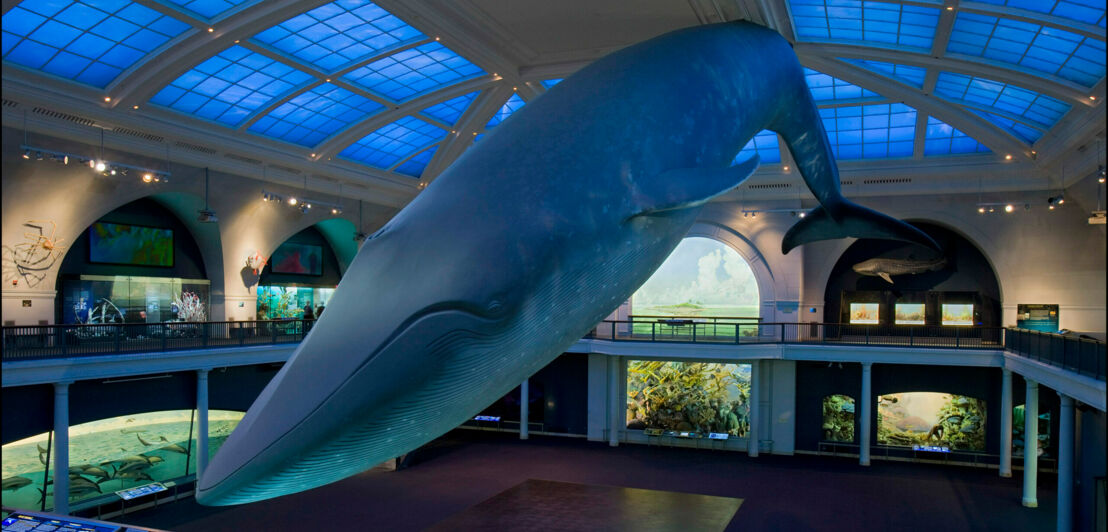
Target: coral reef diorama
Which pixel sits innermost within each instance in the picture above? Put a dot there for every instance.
(682, 396)
(838, 418)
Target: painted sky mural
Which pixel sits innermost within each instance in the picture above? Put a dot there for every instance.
(702, 277)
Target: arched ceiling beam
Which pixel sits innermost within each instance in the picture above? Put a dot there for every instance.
(1049, 85)
(473, 121)
(776, 16)
(139, 85)
(1032, 17)
(995, 138)
(351, 134)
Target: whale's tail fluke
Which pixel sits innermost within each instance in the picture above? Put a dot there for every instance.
(852, 220)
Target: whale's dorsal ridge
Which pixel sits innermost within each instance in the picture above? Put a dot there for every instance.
(689, 187)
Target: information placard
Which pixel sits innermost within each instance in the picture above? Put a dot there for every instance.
(139, 491)
(486, 418)
(1037, 317)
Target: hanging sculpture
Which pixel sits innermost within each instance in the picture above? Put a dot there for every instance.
(526, 242)
(256, 262)
(33, 257)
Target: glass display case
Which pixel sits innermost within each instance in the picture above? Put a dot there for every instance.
(287, 302)
(126, 299)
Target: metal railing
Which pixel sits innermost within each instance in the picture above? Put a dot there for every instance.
(1085, 356)
(1082, 355)
(36, 342)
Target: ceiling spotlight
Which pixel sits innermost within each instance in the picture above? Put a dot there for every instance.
(146, 178)
(292, 201)
(1008, 157)
(992, 209)
(211, 30)
(802, 214)
(27, 155)
(112, 172)
(982, 210)
(336, 210)
(65, 159)
(101, 166)
(304, 208)
(1009, 208)
(107, 98)
(786, 168)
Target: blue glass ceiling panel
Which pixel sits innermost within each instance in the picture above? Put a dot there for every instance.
(477, 137)
(1022, 131)
(506, 110)
(313, 116)
(764, 144)
(230, 86)
(1087, 11)
(550, 82)
(941, 139)
(1038, 108)
(828, 89)
(209, 9)
(869, 22)
(450, 110)
(1050, 50)
(910, 75)
(335, 35)
(870, 131)
(393, 142)
(416, 165)
(414, 71)
(87, 41)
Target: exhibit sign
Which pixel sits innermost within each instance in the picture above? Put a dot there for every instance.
(864, 313)
(135, 245)
(1037, 317)
(136, 492)
(958, 314)
(931, 419)
(909, 314)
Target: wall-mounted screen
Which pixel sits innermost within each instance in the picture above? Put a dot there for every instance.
(688, 397)
(957, 314)
(930, 418)
(130, 244)
(864, 313)
(302, 259)
(909, 314)
(838, 418)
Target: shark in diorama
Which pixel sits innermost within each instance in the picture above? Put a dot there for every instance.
(526, 242)
(886, 268)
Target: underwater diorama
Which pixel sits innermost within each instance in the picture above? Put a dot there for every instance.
(931, 418)
(838, 418)
(110, 455)
(864, 313)
(288, 302)
(684, 396)
(1019, 416)
(909, 314)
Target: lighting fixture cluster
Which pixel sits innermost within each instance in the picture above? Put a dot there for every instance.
(98, 165)
(989, 208)
(1055, 201)
(303, 204)
(753, 213)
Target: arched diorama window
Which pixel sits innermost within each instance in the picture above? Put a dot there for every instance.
(838, 418)
(110, 454)
(703, 281)
(688, 397)
(1019, 420)
(931, 419)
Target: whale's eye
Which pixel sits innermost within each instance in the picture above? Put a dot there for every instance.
(494, 306)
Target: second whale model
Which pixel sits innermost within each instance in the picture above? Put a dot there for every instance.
(524, 244)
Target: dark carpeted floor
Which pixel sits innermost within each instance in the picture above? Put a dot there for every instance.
(789, 493)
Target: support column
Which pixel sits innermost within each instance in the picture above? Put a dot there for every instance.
(61, 448)
(524, 410)
(754, 401)
(865, 413)
(1006, 424)
(1065, 464)
(614, 405)
(201, 421)
(1031, 445)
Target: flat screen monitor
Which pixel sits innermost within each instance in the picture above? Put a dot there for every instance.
(958, 314)
(110, 243)
(909, 314)
(300, 259)
(864, 313)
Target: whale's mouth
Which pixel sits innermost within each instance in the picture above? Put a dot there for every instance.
(438, 330)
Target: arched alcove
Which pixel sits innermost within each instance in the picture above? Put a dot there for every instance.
(967, 278)
(134, 264)
(339, 233)
(302, 271)
(703, 277)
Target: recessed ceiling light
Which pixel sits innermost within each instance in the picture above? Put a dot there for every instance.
(211, 30)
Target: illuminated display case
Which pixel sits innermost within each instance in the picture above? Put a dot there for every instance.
(127, 299)
(277, 302)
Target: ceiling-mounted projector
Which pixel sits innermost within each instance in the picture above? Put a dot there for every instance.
(206, 216)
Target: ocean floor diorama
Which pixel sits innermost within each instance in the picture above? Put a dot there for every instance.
(110, 455)
(693, 397)
(932, 419)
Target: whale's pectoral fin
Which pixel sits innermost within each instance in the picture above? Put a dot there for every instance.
(852, 220)
(689, 187)
(886, 277)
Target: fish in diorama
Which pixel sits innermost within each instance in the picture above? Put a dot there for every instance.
(14, 483)
(532, 237)
(143, 442)
(175, 448)
(132, 431)
(887, 268)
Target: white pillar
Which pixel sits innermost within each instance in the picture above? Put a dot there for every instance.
(1065, 465)
(1006, 424)
(524, 411)
(866, 412)
(201, 421)
(614, 404)
(61, 448)
(1031, 445)
(753, 435)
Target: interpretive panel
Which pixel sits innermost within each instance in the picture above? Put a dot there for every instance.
(931, 419)
(1037, 317)
(688, 397)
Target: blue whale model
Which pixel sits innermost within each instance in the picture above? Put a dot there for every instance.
(530, 239)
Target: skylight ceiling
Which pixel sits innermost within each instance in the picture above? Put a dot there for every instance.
(367, 87)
